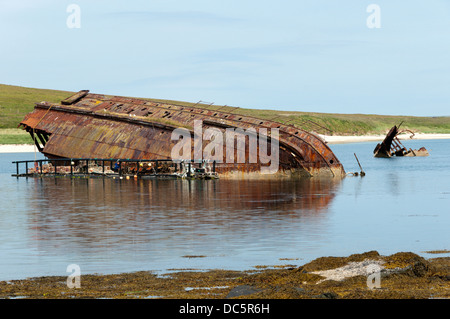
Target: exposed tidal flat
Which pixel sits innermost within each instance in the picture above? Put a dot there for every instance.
(400, 276)
(223, 239)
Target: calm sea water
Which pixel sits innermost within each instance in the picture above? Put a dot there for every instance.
(111, 226)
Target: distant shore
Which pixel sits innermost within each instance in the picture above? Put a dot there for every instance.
(17, 148)
(340, 139)
(334, 139)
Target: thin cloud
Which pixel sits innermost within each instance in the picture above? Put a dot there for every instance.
(195, 17)
(20, 6)
(264, 53)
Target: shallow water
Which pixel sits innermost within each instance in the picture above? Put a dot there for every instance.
(112, 226)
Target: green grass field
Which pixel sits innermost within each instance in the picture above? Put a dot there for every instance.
(16, 102)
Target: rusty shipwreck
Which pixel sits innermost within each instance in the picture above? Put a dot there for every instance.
(391, 146)
(87, 125)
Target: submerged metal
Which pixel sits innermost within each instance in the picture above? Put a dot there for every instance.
(391, 146)
(89, 125)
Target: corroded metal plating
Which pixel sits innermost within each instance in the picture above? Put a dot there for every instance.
(391, 146)
(98, 126)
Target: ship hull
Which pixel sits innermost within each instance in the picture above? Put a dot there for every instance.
(98, 126)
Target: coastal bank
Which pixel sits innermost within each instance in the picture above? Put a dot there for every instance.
(368, 275)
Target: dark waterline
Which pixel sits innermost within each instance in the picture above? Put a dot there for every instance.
(112, 226)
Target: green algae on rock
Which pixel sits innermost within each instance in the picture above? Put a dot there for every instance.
(404, 275)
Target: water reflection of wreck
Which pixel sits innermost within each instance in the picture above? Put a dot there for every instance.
(391, 146)
(146, 210)
(97, 126)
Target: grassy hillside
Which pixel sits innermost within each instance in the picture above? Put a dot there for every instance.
(16, 102)
(339, 124)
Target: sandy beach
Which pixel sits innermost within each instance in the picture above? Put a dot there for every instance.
(339, 139)
(335, 139)
(17, 148)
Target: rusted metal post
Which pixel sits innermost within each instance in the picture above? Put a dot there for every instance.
(36, 142)
(362, 171)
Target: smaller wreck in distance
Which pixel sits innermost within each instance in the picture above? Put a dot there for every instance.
(391, 146)
(88, 125)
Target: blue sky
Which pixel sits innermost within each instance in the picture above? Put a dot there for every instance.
(316, 55)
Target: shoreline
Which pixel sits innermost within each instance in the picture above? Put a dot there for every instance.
(329, 139)
(342, 139)
(17, 148)
(400, 275)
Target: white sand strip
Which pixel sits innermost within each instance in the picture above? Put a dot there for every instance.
(369, 138)
(17, 148)
(335, 139)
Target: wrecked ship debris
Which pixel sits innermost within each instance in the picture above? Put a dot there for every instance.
(391, 146)
(91, 126)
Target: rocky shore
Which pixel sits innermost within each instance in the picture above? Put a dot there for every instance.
(368, 275)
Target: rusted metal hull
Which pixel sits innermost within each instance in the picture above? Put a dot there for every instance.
(391, 146)
(98, 126)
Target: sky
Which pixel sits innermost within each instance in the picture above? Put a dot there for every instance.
(291, 55)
